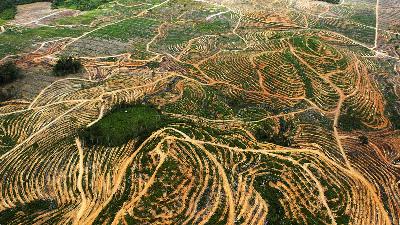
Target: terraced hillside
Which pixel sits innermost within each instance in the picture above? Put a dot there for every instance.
(205, 112)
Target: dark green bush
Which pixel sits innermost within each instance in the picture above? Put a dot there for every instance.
(153, 65)
(363, 139)
(350, 121)
(8, 73)
(67, 65)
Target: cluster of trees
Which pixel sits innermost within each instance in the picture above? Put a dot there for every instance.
(264, 131)
(349, 121)
(7, 9)
(8, 73)
(123, 123)
(67, 65)
(7, 216)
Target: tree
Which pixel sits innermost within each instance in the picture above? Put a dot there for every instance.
(8, 73)
(67, 65)
(363, 139)
(153, 64)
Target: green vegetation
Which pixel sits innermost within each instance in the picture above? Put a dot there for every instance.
(300, 69)
(82, 19)
(126, 30)
(178, 35)
(264, 132)
(79, 4)
(331, 1)
(392, 109)
(124, 123)
(276, 212)
(8, 73)
(67, 65)
(349, 121)
(7, 143)
(8, 8)
(365, 17)
(153, 65)
(36, 206)
(363, 139)
(8, 14)
(18, 40)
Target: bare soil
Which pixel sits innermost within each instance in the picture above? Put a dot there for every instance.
(39, 13)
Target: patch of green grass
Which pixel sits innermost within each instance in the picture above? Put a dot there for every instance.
(2, 22)
(181, 34)
(364, 17)
(126, 30)
(15, 41)
(84, 19)
(83, 5)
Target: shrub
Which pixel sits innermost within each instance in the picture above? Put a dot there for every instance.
(363, 139)
(153, 65)
(350, 121)
(67, 65)
(8, 73)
